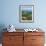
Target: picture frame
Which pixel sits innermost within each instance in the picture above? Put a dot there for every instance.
(26, 13)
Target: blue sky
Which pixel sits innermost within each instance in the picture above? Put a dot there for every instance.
(29, 8)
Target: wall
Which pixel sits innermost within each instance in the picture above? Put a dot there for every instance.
(10, 13)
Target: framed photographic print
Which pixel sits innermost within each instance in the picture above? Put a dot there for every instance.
(26, 13)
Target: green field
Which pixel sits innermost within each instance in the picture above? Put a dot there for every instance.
(26, 15)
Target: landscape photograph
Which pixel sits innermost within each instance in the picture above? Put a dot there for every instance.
(26, 13)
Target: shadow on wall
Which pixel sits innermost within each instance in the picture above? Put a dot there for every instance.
(2, 26)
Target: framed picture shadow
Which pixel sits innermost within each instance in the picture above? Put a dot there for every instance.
(26, 13)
